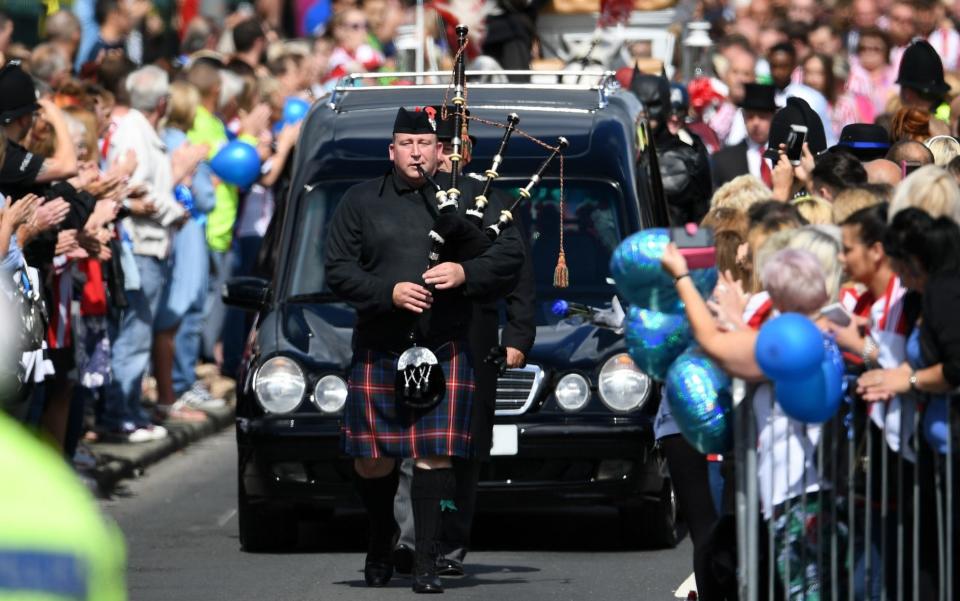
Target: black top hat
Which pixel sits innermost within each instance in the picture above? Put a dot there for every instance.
(18, 95)
(417, 121)
(797, 112)
(866, 141)
(922, 70)
(759, 97)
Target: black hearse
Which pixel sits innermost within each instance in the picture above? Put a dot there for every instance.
(574, 426)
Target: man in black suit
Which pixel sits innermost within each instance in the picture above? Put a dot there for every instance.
(513, 346)
(758, 106)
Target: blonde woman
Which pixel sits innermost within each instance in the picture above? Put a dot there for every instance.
(814, 209)
(930, 188)
(740, 193)
(944, 149)
(180, 317)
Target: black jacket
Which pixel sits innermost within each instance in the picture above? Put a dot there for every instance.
(378, 238)
(730, 162)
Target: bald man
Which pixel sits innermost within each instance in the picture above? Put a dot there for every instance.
(883, 171)
(914, 153)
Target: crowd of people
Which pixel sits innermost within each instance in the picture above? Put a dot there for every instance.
(863, 214)
(116, 234)
(116, 230)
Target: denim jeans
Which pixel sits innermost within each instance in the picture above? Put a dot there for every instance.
(187, 299)
(237, 322)
(132, 344)
(214, 309)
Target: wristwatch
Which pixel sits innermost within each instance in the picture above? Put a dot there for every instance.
(914, 381)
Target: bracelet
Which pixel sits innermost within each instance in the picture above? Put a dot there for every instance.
(680, 277)
(869, 347)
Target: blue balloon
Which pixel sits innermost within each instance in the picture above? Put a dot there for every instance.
(699, 395)
(815, 398)
(789, 347)
(655, 340)
(315, 21)
(237, 163)
(641, 281)
(184, 196)
(294, 110)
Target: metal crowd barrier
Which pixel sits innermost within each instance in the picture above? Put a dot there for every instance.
(885, 525)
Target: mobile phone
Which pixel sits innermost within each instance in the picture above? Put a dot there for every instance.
(795, 141)
(696, 244)
(837, 314)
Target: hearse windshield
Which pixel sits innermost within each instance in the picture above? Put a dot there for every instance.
(593, 226)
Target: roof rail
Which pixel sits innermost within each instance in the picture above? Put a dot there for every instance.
(601, 82)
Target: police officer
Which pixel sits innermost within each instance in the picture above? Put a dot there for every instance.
(517, 340)
(921, 80)
(377, 250)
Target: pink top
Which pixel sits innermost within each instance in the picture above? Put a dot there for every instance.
(878, 86)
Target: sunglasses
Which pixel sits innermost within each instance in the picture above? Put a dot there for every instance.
(355, 26)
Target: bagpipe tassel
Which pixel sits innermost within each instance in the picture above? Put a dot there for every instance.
(561, 276)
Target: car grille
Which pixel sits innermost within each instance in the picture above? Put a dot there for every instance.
(517, 388)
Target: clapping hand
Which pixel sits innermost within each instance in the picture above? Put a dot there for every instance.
(50, 214)
(20, 212)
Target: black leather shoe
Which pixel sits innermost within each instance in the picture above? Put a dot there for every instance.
(449, 567)
(403, 560)
(377, 572)
(427, 582)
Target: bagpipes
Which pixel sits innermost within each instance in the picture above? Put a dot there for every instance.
(420, 383)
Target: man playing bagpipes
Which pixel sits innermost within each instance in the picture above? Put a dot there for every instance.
(508, 350)
(411, 382)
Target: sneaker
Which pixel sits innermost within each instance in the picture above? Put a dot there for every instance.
(157, 432)
(198, 397)
(140, 435)
(178, 412)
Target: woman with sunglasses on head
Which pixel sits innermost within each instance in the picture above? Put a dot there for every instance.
(353, 52)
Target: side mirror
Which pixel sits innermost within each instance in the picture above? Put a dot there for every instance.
(248, 293)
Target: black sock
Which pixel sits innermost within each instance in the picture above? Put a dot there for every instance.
(430, 492)
(377, 496)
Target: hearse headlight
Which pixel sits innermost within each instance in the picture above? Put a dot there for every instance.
(623, 387)
(279, 385)
(330, 394)
(573, 392)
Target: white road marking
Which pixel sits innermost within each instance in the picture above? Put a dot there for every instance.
(690, 584)
(226, 517)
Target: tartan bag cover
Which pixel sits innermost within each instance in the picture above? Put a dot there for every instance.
(376, 424)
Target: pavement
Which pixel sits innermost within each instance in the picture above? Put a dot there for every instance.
(115, 462)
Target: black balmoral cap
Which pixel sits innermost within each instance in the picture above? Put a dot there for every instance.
(866, 141)
(18, 95)
(797, 112)
(445, 126)
(921, 69)
(759, 97)
(417, 121)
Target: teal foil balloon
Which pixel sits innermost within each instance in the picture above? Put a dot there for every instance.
(699, 395)
(655, 340)
(641, 281)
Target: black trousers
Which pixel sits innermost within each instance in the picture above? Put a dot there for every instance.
(688, 471)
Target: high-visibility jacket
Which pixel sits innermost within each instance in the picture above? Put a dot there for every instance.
(54, 542)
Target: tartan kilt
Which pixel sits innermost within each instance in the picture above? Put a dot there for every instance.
(376, 424)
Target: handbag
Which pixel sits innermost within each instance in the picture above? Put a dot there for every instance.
(32, 310)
